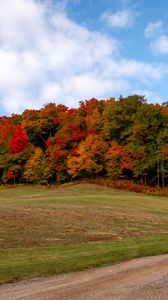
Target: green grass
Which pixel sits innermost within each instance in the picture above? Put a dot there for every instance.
(52, 231)
(17, 264)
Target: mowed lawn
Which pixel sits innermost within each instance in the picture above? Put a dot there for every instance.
(51, 231)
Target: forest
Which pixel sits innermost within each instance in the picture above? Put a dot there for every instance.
(117, 139)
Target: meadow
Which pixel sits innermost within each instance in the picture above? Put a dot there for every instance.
(56, 230)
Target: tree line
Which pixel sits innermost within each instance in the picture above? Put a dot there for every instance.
(118, 139)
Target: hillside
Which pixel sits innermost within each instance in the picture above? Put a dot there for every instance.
(51, 231)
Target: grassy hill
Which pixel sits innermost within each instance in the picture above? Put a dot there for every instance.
(51, 231)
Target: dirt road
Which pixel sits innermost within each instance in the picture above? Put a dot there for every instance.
(144, 278)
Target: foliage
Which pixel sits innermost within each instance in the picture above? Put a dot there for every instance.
(19, 141)
(36, 169)
(121, 139)
(131, 186)
(88, 158)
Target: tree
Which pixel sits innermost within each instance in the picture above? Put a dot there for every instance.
(148, 121)
(37, 169)
(124, 138)
(113, 160)
(19, 141)
(14, 172)
(87, 160)
(118, 117)
(56, 159)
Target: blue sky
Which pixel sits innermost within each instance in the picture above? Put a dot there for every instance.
(65, 51)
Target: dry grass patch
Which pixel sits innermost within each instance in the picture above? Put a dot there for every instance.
(78, 214)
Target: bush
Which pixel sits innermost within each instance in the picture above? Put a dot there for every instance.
(130, 186)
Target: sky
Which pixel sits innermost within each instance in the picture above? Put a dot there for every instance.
(64, 51)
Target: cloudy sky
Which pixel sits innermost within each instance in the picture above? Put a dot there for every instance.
(64, 51)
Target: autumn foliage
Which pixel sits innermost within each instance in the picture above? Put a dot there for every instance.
(19, 140)
(125, 139)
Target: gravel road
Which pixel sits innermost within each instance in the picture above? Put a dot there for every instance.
(143, 278)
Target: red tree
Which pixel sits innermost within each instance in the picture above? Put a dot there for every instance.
(19, 141)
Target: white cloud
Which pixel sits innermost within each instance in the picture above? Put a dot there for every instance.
(45, 56)
(124, 68)
(159, 41)
(160, 45)
(153, 28)
(119, 19)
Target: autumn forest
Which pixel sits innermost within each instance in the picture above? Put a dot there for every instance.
(117, 139)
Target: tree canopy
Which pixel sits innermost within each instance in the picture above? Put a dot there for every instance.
(119, 139)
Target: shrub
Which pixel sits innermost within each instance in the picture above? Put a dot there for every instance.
(130, 186)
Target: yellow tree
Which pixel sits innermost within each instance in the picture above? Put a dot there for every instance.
(88, 159)
(36, 169)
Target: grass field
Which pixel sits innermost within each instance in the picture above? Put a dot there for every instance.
(51, 231)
